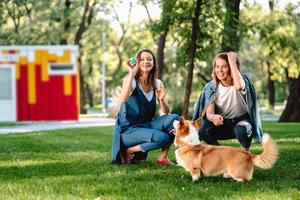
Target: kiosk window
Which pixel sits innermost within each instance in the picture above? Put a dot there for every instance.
(61, 69)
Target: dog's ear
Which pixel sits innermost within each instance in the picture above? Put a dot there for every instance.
(197, 123)
(181, 121)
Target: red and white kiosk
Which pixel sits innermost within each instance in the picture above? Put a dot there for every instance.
(39, 83)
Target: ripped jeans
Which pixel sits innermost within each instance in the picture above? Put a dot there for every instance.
(239, 128)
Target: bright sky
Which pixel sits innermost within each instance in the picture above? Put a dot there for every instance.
(138, 13)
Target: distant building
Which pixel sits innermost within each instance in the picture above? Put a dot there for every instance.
(39, 83)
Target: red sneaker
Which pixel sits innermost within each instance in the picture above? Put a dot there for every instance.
(127, 158)
(164, 162)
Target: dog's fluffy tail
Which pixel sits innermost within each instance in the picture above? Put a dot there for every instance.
(269, 155)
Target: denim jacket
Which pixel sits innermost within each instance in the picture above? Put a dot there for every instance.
(209, 94)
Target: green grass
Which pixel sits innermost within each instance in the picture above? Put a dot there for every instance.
(74, 164)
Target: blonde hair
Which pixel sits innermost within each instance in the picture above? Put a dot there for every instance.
(224, 57)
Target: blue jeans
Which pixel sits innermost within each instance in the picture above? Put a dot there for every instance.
(230, 129)
(151, 135)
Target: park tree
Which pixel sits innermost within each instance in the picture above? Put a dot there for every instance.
(271, 83)
(230, 37)
(191, 56)
(292, 70)
(277, 35)
(160, 29)
(49, 23)
(207, 29)
(179, 66)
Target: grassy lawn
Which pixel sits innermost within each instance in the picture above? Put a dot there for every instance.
(74, 164)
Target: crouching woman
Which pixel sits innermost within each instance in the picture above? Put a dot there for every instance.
(228, 104)
(136, 130)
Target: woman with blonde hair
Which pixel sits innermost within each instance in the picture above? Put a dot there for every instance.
(228, 104)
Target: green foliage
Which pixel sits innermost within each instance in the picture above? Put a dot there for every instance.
(74, 164)
(267, 38)
(177, 17)
(272, 37)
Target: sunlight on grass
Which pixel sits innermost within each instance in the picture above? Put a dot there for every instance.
(20, 163)
(288, 140)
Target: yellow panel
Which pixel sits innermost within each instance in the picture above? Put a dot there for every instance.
(44, 65)
(67, 85)
(67, 56)
(31, 83)
(52, 57)
(18, 68)
(23, 60)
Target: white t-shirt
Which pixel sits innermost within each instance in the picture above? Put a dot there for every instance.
(150, 94)
(230, 102)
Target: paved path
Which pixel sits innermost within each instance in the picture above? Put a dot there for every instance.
(39, 126)
(266, 115)
(89, 121)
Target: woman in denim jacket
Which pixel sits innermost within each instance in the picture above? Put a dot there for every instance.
(136, 130)
(228, 104)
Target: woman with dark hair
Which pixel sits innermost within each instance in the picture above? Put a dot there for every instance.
(136, 131)
(228, 104)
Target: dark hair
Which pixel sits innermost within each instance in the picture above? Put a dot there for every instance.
(153, 72)
(223, 56)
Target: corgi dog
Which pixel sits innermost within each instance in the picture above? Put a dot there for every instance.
(209, 160)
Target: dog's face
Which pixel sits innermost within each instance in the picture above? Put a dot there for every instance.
(186, 131)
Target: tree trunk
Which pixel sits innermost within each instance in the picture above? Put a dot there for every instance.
(231, 40)
(83, 109)
(271, 85)
(14, 14)
(291, 111)
(90, 96)
(86, 21)
(67, 22)
(160, 52)
(191, 57)
(166, 20)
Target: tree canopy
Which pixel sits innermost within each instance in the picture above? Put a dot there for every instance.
(186, 36)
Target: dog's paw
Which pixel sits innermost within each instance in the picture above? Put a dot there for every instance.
(238, 179)
(195, 177)
(225, 175)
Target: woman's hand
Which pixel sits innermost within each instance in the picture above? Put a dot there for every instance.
(217, 120)
(160, 92)
(132, 68)
(232, 58)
